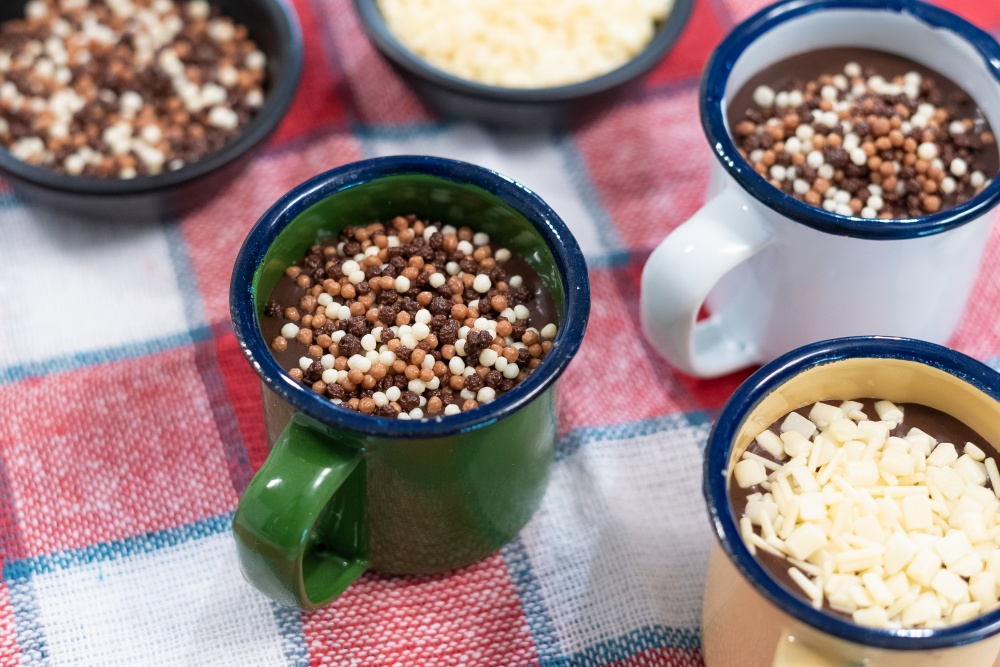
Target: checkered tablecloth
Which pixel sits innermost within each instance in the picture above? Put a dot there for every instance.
(130, 423)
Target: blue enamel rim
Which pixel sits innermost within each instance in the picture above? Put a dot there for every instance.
(713, 89)
(724, 433)
(667, 34)
(568, 257)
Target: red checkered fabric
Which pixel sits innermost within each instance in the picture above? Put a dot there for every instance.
(130, 422)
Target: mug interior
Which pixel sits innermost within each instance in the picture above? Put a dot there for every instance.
(900, 33)
(928, 35)
(900, 370)
(429, 198)
(897, 380)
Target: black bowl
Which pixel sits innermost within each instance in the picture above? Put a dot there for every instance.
(455, 97)
(275, 28)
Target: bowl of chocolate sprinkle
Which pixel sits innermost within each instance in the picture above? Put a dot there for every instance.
(138, 110)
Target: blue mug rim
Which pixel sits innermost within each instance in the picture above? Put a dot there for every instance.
(715, 474)
(568, 257)
(713, 88)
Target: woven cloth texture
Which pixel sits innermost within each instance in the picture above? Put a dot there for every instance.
(130, 423)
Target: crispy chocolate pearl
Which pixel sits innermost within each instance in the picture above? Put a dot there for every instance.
(429, 309)
(349, 345)
(474, 382)
(408, 400)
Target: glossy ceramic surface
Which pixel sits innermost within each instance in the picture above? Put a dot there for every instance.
(342, 491)
(511, 107)
(901, 370)
(747, 253)
(274, 26)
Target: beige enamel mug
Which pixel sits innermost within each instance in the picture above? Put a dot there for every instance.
(751, 620)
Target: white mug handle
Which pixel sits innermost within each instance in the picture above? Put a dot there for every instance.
(681, 272)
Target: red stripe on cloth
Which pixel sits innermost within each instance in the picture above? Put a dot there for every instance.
(216, 231)
(319, 101)
(113, 451)
(616, 376)
(978, 332)
(984, 14)
(380, 96)
(662, 657)
(243, 388)
(469, 617)
(650, 164)
(687, 58)
(10, 652)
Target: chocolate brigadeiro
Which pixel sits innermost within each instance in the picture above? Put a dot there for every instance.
(878, 136)
(410, 319)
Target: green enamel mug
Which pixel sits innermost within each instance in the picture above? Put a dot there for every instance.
(342, 492)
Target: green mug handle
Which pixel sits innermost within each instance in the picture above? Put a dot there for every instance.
(301, 530)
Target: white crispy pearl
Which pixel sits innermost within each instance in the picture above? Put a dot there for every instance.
(290, 330)
(486, 395)
(452, 409)
(488, 357)
(393, 393)
(763, 96)
(482, 283)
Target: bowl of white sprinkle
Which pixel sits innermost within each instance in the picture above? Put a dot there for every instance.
(522, 63)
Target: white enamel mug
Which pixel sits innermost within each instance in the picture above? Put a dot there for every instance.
(776, 273)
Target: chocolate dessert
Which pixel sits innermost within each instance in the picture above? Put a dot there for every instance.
(864, 133)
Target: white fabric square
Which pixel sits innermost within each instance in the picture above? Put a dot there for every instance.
(622, 537)
(70, 286)
(536, 160)
(182, 605)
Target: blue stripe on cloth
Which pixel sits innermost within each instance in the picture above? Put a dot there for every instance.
(627, 646)
(79, 360)
(187, 284)
(589, 194)
(27, 625)
(569, 443)
(293, 638)
(532, 602)
(226, 423)
(19, 574)
(193, 312)
(529, 593)
(24, 569)
(9, 200)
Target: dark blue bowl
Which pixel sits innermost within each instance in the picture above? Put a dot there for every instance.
(274, 26)
(455, 97)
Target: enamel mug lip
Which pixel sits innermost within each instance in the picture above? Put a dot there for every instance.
(557, 236)
(724, 433)
(713, 88)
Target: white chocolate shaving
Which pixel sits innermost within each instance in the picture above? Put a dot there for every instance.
(897, 532)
